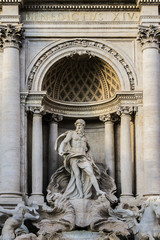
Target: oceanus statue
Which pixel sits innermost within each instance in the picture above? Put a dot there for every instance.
(79, 177)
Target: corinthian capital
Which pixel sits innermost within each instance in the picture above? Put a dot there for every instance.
(109, 118)
(126, 110)
(53, 118)
(11, 36)
(37, 110)
(105, 118)
(148, 35)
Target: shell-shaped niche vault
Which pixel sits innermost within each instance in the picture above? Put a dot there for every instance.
(81, 78)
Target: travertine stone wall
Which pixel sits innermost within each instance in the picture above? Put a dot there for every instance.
(27, 137)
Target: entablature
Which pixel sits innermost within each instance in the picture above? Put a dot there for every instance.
(82, 110)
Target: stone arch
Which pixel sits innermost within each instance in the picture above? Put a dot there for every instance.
(57, 50)
(81, 78)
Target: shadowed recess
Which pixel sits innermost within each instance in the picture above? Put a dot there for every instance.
(81, 79)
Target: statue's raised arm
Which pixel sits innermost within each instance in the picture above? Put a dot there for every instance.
(79, 177)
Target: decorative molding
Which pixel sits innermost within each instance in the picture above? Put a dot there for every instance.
(83, 7)
(11, 36)
(53, 118)
(109, 118)
(150, 17)
(148, 2)
(33, 100)
(148, 34)
(8, 19)
(84, 110)
(106, 118)
(83, 43)
(37, 110)
(11, 2)
(125, 110)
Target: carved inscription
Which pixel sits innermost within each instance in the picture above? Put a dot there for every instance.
(80, 16)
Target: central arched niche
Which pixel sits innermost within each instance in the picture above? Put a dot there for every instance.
(81, 78)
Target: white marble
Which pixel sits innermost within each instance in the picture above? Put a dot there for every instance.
(52, 158)
(125, 156)
(139, 152)
(10, 135)
(151, 118)
(37, 158)
(109, 147)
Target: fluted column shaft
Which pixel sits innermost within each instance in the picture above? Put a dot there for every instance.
(149, 37)
(10, 139)
(126, 154)
(37, 157)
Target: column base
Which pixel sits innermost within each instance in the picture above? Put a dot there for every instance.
(127, 198)
(10, 199)
(153, 195)
(38, 198)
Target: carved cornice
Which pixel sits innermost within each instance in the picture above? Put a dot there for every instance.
(83, 43)
(33, 101)
(83, 110)
(82, 7)
(148, 35)
(143, 2)
(11, 36)
(12, 2)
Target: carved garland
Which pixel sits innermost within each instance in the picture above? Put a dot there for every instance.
(84, 43)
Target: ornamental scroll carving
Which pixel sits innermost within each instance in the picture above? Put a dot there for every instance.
(125, 110)
(37, 110)
(148, 34)
(82, 43)
(109, 117)
(11, 36)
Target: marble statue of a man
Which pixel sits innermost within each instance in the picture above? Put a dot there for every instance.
(79, 177)
(78, 162)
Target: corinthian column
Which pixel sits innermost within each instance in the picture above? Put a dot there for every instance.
(109, 143)
(53, 135)
(10, 39)
(37, 155)
(149, 39)
(126, 153)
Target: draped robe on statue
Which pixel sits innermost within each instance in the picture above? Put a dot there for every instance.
(83, 162)
(64, 179)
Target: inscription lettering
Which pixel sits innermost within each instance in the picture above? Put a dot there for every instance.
(80, 16)
(131, 15)
(116, 18)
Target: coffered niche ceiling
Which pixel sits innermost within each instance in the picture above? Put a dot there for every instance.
(81, 79)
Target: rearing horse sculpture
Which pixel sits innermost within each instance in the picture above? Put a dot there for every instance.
(145, 224)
